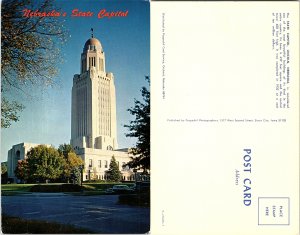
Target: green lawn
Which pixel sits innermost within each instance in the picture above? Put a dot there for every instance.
(87, 188)
(15, 189)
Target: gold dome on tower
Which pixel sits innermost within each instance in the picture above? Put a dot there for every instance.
(92, 44)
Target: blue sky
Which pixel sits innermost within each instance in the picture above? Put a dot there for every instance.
(126, 43)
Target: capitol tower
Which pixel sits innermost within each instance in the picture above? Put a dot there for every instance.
(93, 101)
(94, 121)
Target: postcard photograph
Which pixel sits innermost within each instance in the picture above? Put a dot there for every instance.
(75, 116)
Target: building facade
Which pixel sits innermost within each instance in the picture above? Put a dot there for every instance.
(16, 153)
(96, 162)
(93, 102)
(94, 121)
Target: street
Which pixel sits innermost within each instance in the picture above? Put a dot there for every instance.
(100, 214)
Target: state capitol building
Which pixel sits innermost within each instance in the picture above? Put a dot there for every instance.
(93, 119)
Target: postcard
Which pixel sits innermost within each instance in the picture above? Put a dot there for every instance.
(225, 117)
(75, 116)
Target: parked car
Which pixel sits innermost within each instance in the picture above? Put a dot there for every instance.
(119, 188)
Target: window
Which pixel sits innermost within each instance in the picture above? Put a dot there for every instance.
(123, 166)
(105, 164)
(90, 162)
(99, 163)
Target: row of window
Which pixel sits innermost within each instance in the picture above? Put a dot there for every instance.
(97, 177)
(105, 163)
(92, 63)
(81, 114)
(104, 110)
(105, 177)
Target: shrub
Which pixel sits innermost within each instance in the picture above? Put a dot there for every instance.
(56, 188)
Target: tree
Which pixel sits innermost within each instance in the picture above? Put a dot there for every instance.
(9, 112)
(29, 51)
(44, 163)
(22, 170)
(65, 149)
(76, 175)
(113, 172)
(72, 162)
(3, 167)
(4, 173)
(140, 128)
